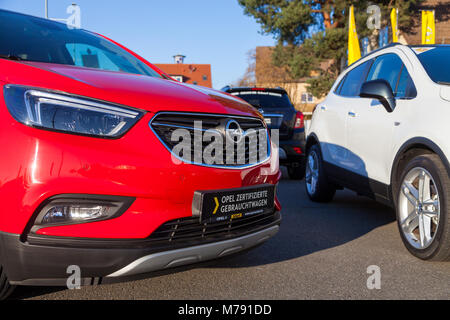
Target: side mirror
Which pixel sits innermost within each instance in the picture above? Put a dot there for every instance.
(381, 90)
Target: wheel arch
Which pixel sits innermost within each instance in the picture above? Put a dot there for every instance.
(311, 140)
(410, 149)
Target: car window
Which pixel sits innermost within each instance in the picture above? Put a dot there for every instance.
(386, 67)
(339, 86)
(265, 99)
(435, 61)
(354, 79)
(84, 55)
(405, 87)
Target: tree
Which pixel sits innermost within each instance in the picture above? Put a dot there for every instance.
(311, 33)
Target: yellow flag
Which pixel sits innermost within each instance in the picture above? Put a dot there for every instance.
(354, 52)
(428, 27)
(394, 14)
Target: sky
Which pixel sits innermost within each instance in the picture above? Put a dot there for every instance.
(214, 32)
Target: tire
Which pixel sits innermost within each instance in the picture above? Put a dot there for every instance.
(5, 288)
(296, 173)
(316, 183)
(423, 208)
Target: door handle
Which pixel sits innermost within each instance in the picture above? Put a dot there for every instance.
(352, 114)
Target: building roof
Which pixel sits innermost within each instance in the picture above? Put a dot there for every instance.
(199, 74)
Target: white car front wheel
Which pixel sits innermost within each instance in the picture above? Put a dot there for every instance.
(422, 210)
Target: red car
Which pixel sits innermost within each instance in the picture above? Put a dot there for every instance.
(89, 176)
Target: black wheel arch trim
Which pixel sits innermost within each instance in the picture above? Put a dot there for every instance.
(417, 142)
(311, 136)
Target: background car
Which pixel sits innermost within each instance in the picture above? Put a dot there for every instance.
(279, 113)
(383, 131)
(89, 173)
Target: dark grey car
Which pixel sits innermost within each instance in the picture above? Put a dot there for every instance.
(279, 113)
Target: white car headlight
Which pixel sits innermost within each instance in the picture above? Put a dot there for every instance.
(66, 113)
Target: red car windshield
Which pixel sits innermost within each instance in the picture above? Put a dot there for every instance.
(30, 38)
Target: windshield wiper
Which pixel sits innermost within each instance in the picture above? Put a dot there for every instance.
(10, 57)
(444, 83)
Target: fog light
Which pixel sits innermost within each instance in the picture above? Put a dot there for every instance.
(77, 213)
(74, 209)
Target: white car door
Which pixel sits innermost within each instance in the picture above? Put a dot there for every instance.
(334, 111)
(371, 128)
(332, 129)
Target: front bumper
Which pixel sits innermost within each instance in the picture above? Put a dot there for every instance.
(44, 260)
(175, 258)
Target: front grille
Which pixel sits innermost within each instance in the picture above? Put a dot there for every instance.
(231, 154)
(190, 229)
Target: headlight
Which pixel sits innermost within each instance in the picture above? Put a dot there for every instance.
(60, 112)
(75, 209)
(66, 213)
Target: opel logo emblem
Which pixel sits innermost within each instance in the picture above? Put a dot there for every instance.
(233, 131)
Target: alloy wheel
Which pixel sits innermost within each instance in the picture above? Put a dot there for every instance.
(312, 172)
(419, 208)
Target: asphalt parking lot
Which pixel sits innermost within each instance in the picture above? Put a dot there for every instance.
(321, 252)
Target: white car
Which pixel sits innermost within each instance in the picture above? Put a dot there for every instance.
(384, 131)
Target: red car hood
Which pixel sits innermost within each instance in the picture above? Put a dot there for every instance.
(148, 93)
